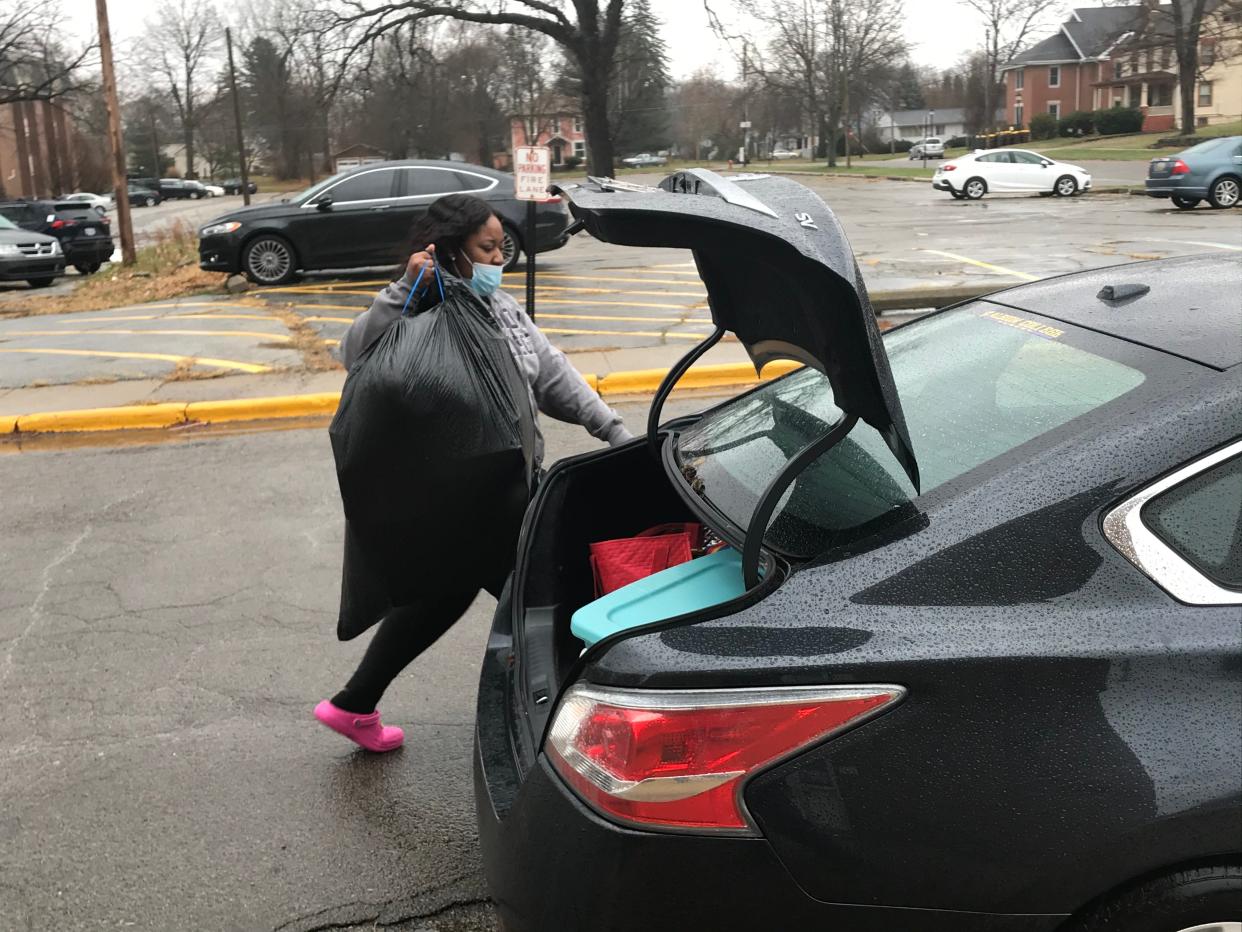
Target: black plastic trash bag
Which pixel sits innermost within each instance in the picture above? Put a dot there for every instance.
(434, 440)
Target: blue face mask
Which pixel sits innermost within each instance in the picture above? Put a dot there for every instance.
(485, 278)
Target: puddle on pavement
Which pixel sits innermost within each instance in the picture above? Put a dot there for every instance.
(40, 443)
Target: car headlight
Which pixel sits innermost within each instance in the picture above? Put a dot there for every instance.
(219, 229)
(8, 249)
(56, 250)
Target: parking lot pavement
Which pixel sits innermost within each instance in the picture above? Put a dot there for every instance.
(162, 644)
(592, 296)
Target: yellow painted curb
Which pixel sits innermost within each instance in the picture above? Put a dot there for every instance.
(169, 414)
(130, 416)
(260, 409)
(642, 381)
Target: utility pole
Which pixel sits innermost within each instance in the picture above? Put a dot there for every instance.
(115, 139)
(241, 141)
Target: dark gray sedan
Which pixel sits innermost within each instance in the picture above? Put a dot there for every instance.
(1210, 171)
(25, 255)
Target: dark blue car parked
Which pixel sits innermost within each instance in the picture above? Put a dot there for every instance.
(985, 673)
(1210, 171)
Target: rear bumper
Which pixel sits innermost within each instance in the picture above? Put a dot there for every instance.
(941, 184)
(88, 251)
(20, 268)
(1167, 187)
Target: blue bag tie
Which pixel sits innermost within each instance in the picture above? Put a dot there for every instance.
(435, 264)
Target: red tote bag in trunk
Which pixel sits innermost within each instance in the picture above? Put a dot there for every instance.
(617, 563)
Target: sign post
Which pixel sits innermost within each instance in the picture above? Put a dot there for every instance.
(532, 172)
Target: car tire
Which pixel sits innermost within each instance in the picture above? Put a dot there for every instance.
(1207, 898)
(1065, 186)
(150, 202)
(511, 247)
(1225, 192)
(269, 259)
(88, 268)
(39, 282)
(975, 188)
(1184, 203)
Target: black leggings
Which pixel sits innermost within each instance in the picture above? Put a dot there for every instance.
(404, 633)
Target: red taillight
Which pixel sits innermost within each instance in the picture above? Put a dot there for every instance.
(949, 167)
(1179, 168)
(552, 199)
(679, 759)
(62, 224)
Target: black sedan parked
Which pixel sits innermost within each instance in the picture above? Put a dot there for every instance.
(142, 197)
(361, 218)
(84, 232)
(980, 669)
(234, 186)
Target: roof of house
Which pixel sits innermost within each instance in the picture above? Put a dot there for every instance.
(359, 149)
(919, 117)
(1087, 34)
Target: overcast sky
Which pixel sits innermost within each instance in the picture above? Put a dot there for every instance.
(939, 31)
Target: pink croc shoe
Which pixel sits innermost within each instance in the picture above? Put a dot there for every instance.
(364, 730)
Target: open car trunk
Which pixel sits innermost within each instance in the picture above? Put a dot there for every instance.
(601, 496)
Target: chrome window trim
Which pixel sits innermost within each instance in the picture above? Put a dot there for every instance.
(491, 182)
(312, 202)
(1125, 530)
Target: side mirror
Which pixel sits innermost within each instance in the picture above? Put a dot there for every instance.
(324, 203)
(1044, 164)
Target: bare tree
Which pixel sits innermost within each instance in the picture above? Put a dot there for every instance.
(33, 65)
(588, 34)
(1008, 24)
(179, 42)
(527, 88)
(1191, 28)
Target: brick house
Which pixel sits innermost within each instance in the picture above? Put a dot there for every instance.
(561, 129)
(1093, 62)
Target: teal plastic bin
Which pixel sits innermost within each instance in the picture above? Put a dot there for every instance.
(684, 588)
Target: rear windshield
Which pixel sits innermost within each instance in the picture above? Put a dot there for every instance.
(1211, 145)
(974, 384)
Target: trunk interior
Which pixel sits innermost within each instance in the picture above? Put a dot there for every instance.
(613, 494)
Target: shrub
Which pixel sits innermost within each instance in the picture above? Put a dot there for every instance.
(900, 145)
(1115, 121)
(1043, 126)
(955, 142)
(1078, 123)
(573, 162)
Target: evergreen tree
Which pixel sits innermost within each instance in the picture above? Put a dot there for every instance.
(907, 92)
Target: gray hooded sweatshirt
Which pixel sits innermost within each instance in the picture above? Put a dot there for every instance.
(553, 385)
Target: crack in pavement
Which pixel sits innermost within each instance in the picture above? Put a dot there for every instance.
(454, 895)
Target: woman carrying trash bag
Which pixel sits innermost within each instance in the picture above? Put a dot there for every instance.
(459, 237)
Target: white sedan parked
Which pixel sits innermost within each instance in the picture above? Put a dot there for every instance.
(1009, 170)
(91, 200)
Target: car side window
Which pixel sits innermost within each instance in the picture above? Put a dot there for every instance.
(1026, 158)
(994, 157)
(368, 186)
(472, 182)
(1201, 519)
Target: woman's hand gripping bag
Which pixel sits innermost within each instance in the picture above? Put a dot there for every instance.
(434, 440)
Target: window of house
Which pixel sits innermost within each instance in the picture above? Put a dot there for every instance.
(1136, 95)
(577, 124)
(1160, 95)
(1018, 116)
(1054, 75)
(1207, 54)
(1166, 58)
(556, 124)
(1151, 59)
(1134, 63)
(579, 148)
(1054, 107)
(1118, 69)
(1019, 77)
(1205, 94)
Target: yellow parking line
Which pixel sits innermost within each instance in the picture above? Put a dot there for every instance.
(330, 307)
(587, 303)
(606, 278)
(176, 317)
(161, 357)
(622, 333)
(985, 265)
(618, 318)
(332, 320)
(162, 333)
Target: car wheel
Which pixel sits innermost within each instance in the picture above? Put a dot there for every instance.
(1066, 186)
(268, 260)
(150, 202)
(1201, 899)
(89, 268)
(39, 282)
(975, 188)
(511, 248)
(1224, 192)
(1185, 203)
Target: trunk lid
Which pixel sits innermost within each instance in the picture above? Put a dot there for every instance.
(779, 272)
(1160, 168)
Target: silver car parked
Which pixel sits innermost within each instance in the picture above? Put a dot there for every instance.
(932, 147)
